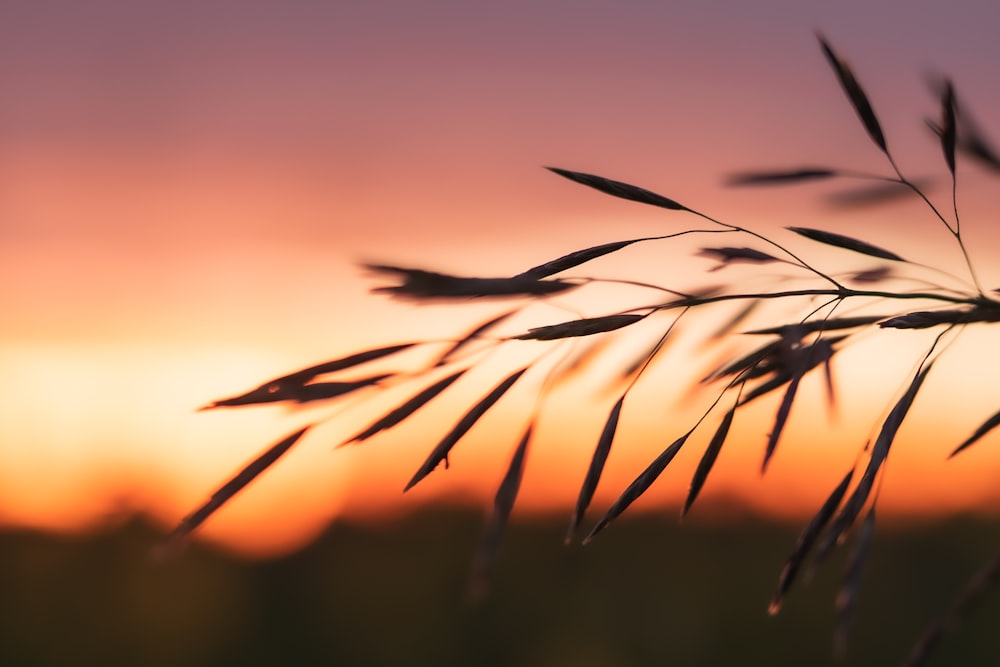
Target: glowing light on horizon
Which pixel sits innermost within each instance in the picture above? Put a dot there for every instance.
(129, 439)
(186, 196)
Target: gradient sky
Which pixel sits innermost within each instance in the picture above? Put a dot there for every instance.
(186, 189)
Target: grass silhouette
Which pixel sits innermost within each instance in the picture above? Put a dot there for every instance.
(904, 294)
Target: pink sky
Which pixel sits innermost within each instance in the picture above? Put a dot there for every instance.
(186, 189)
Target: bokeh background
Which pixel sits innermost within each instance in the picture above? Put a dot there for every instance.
(186, 192)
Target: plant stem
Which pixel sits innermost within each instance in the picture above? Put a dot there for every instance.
(801, 262)
(841, 293)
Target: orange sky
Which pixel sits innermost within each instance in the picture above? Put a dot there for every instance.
(186, 189)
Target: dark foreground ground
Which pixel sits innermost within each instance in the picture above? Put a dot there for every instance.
(647, 592)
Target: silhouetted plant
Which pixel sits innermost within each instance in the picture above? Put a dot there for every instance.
(789, 351)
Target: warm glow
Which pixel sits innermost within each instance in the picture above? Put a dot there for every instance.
(183, 218)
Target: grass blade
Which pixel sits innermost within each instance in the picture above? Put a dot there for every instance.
(638, 486)
(619, 189)
(403, 411)
(971, 139)
(289, 387)
(925, 319)
(503, 503)
(847, 597)
(812, 326)
(782, 177)
(229, 489)
(895, 419)
(754, 364)
(880, 450)
(876, 275)
(846, 242)
(708, 459)
(792, 362)
(440, 452)
(805, 542)
(318, 391)
(596, 467)
(725, 255)
(343, 363)
(573, 259)
(880, 194)
(583, 327)
(949, 129)
(780, 417)
(299, 393)
(856, 95)
(931, 318)
(983, 429)
(780, 379)
(974, 591)
(418, 284)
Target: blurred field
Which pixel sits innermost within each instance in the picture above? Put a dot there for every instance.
(648, 592)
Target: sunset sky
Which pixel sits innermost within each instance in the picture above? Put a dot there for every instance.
(187, 190)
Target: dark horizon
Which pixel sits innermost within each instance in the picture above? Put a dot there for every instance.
(646, 593)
